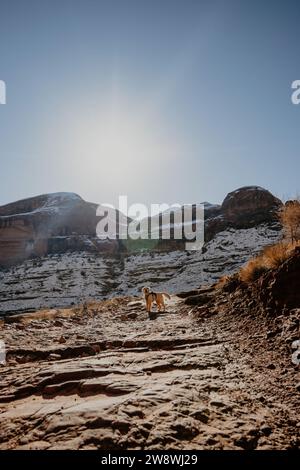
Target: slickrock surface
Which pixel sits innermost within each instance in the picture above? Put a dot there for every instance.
(107, 376)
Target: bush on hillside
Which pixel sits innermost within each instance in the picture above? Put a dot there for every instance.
(289, 216)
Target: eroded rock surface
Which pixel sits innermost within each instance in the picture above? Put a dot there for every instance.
(106, 376)
(68, 279)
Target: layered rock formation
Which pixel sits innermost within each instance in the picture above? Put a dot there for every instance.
(60, 222)
(50, 223)
(243, 208)
(215, 371)
(105, 376)
(69, 278)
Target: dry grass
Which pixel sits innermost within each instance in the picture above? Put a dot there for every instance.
(222, 281)
(275, 255)
(289, 216)
(86, 309)
(49, 314)
(252, 270)
(270, 258)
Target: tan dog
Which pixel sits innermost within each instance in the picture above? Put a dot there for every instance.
(157, 297)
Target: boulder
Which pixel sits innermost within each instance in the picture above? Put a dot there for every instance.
(249, 206)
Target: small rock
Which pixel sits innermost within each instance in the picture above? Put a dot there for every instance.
(135, 303)
(54, 357)
(271, 366)
(217, 403)
(21, 359)
(262, 399)
(132, 316)
(96, 348)
(266, 430)
(296, 344)
(201, 415)
(271, 333)
(184, 429)
(62, 340)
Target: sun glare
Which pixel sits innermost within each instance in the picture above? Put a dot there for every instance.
(120, 141)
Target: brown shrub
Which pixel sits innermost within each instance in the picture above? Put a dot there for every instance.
(252, 270)
(274, 255)
(228, 283)
(289, 216)
(223, 280)
(271, 258)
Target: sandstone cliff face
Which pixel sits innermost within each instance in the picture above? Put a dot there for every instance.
(60, 222)
(48, 223)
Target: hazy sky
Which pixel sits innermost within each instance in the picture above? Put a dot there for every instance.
(161, 100)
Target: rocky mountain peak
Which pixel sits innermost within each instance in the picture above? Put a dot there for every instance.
(60, 222)
(39, 203)
(250, 205)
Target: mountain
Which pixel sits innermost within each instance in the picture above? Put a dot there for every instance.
(64, 222)
(75, 267)
(49, 223)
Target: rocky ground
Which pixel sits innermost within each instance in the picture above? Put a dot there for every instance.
(106, 376)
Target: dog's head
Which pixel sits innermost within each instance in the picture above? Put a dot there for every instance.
(146, 290)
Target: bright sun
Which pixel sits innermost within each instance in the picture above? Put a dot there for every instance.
(113, 145)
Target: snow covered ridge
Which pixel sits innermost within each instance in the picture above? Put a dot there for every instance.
(61, 222)
(39, 203)
(70, 278)
(176, 222)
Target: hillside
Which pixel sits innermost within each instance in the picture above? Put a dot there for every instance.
(62, 263)
(48, 223)
(71, 278)
(217, 375)
(88, 368)
(64, 222)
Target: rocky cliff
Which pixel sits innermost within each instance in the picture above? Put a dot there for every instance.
(50, 223)
(60, 222)
(243, 208)
(62, 278)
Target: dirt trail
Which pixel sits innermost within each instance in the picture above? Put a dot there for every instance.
(106, 376)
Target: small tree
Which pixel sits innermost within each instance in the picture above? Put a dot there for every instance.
(290, 218)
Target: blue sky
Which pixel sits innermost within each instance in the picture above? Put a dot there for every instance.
(161, 100)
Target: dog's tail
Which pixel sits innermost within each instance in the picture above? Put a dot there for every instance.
(166, 295)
